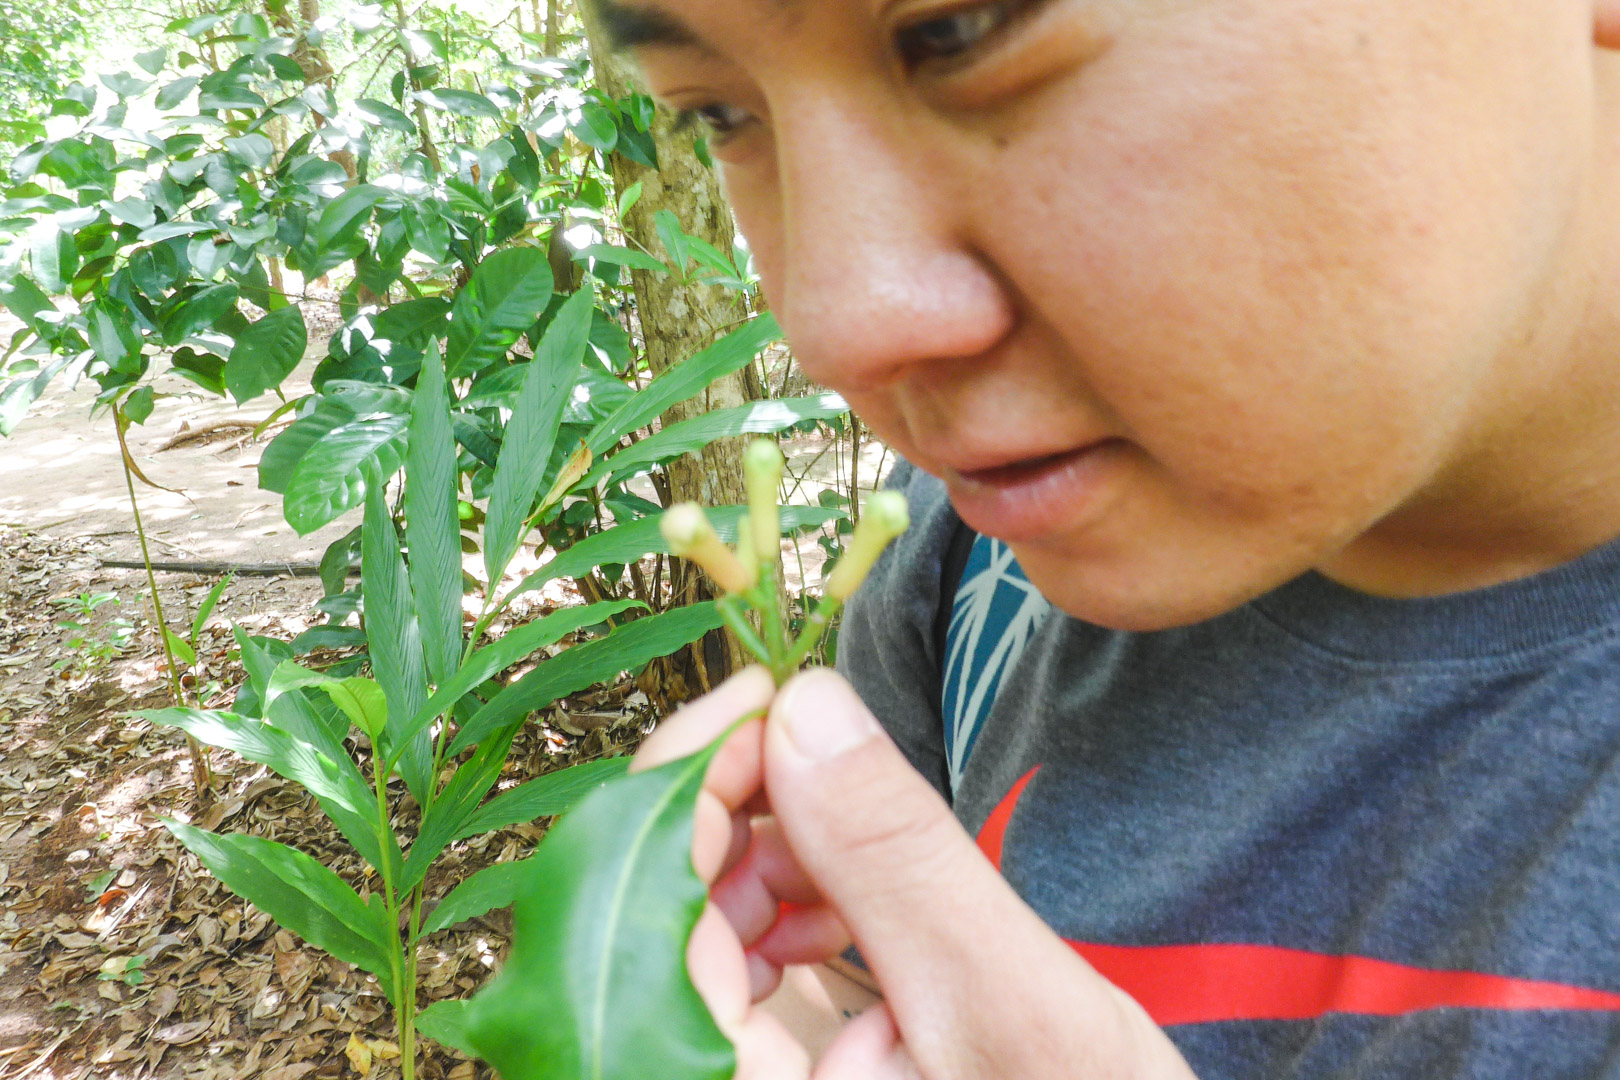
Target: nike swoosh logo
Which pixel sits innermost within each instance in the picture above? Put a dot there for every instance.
(1200, 984)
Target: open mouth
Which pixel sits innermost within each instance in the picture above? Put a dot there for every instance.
(1025, 500)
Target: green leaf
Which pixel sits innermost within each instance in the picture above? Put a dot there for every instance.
(342, 403)
(255, 151)
(461, 103)
(446, 1022)
(596, 985)
(690, 436)
(17, 395)
(626, 649)
(199, 311)
(266, 353)
(622, 256)
(596, 128)
(175, 92)
(636, 539)
(114, 338)
(631, 196)
(166, 230)
(23, 299)
(545, 796)
(686, 379)
(361, 700)
(206, 608)
(505, 296)
(381, 114)
(138, 406)
(136, 212)
(531, 433)
(183, 653)
(342, 791)
(345, 214)
(497, 657)
(674, 238)
(301, 895)
(492, 887)
(432, 529)
(329, 480)
(394, 641)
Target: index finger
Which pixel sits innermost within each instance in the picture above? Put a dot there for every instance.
(737, 770)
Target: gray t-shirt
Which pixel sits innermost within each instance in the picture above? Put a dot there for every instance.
(1323, 835)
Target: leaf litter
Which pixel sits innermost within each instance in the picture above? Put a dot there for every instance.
(120, 957)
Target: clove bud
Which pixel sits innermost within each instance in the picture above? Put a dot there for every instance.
(884, 518)
(692, 536)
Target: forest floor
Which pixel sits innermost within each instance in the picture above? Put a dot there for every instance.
(120, 958)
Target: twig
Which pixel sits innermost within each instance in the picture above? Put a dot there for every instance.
(220, 566)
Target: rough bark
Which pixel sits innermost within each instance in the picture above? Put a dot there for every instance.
(678, 320)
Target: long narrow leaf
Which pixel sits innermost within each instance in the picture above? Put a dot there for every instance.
(597, 984)
(637, 539)
(501, 655)
(206, 608)
(690, 436)
(392, 636)
(458, 802)
(337, 786)
(544, 796)
(532, 431)
(686, 379)
(492, 887)
(301, 895)
(432, 531)
(626, 649)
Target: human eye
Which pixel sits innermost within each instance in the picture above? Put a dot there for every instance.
(954, 36)
(721, 121)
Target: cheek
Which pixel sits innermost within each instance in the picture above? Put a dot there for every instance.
(1272, 274)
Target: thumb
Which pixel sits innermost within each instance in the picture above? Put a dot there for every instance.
(932, 917)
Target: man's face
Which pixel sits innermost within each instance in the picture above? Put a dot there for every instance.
(1180, 297)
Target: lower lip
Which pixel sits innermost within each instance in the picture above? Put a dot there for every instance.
(1027, 501)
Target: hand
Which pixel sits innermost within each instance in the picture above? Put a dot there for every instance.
(814, 807)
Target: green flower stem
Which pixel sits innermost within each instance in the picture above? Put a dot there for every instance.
(815, 628)
(404, 980)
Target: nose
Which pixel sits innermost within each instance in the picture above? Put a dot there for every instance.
(876, 279)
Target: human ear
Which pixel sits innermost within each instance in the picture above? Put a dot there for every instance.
(1606, 23)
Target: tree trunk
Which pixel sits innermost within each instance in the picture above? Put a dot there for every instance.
(679, 320)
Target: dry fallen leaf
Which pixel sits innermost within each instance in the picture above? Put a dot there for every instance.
(359, 1055)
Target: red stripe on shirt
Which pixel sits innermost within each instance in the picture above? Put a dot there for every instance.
(1197, 984)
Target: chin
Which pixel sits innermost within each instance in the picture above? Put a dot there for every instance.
(1134, 598)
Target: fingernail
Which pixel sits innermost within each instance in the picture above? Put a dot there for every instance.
(824, 717)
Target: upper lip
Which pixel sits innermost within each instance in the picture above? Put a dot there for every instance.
(968, 461)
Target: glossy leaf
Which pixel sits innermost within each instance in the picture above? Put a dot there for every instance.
(361, 700)
(301, 895)
(596, 985)
(691, 436)
(685, 380)
(432, 530)
(341, 404)
(330, 479)
(199, 311)
(505, 296)
(266, 353)
(394, 641)
(626, 649)
(531, 433)
(345, 213)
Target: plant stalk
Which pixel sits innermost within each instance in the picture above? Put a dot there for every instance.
(202, 772)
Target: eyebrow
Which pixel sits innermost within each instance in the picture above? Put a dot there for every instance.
(631, 26)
